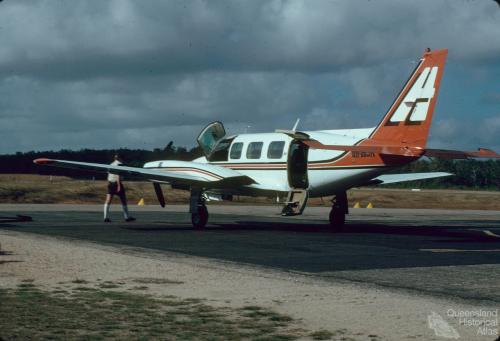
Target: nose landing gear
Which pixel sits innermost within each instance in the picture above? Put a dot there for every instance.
(198, 209)
(200, 218)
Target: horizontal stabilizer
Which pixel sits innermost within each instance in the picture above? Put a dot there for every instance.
(458, 154)
(394, 178)
(381, 148)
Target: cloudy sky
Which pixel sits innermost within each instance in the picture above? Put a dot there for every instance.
(104, 74)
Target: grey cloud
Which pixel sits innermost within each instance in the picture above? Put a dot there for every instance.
(141, 73)
(92, 110)
(81, 39)
(456, 134)
(491, 98)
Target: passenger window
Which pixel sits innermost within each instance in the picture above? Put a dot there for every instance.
(236, 150)
(275, 150)
(254, 150)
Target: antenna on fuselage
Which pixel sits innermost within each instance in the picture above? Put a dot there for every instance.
(296, 124)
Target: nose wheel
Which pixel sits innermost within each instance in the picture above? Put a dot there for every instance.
(198, 209)
(199, 218)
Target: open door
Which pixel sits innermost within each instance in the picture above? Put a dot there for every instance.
(297, 165)
(297, 179)
(210, 137)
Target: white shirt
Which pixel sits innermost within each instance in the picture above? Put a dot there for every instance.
(114, 177)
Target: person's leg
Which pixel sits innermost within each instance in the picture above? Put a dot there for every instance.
(107, 202)
(109, 197)
(123, 199)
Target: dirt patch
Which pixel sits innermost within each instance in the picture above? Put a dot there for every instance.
(33, 189)
(425, 199)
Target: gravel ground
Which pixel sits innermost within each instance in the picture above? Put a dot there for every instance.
(358, 311)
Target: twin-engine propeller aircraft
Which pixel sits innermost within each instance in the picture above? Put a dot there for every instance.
(304, 164)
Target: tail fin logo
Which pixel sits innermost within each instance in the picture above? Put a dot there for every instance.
(414, 107)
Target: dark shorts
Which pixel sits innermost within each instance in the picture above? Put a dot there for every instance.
(113, 188)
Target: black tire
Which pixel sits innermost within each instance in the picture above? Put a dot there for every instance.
(200, 218)
(337, 219)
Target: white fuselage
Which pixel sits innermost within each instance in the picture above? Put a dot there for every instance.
(270, 171)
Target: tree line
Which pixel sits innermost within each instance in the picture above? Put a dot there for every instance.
(22, 163)
(471, 174)
(468, 174)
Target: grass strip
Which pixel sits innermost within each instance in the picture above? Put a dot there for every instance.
(28, 312)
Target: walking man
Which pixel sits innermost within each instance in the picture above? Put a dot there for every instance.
(115, 186)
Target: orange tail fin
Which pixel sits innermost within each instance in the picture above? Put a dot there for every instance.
(409, 118)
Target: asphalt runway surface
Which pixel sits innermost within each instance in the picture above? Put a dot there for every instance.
(445, 253)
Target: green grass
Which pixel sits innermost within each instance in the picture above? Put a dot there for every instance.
(109, 285)
(85, 313)
(140, 287)
(151, 280)
(322, 335)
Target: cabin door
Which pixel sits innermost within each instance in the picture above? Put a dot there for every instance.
(297, 165)
(297, 179)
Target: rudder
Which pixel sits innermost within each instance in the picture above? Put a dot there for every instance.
(408, 120)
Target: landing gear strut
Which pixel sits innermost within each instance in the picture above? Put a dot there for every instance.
(198, 209)
(338, 211)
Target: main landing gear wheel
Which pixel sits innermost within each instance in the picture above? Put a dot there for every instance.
(200, 217)
(337, 219)
(338, 211)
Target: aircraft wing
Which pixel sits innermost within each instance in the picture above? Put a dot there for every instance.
(210, 176)
(393, 178)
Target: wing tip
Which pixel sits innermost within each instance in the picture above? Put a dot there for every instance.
(42, 161)
(485, 153)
